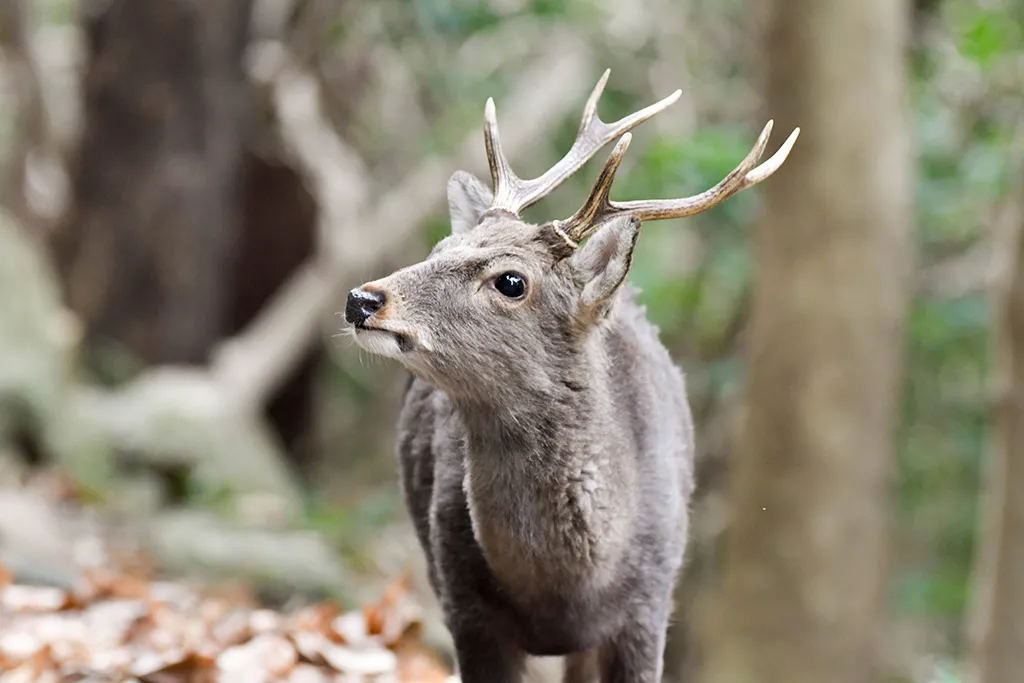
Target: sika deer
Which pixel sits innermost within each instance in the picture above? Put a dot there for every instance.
(546, 443)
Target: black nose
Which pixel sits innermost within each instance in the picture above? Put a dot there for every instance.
(362, 303)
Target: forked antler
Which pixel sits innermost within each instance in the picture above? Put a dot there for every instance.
(513, 194)
(598, 209)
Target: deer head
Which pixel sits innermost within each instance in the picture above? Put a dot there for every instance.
(502, 304)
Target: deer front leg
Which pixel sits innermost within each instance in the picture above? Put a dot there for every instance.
(635, 654)
(581, 667)
(483, 658)
(484, 652)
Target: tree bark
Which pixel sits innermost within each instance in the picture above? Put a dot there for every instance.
(278, 227)
(154, 219)
(805, 558)
(179, 232)
(996, 634)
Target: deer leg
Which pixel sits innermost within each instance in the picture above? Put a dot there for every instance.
(635, 654)
(483, 658)
(581, 667)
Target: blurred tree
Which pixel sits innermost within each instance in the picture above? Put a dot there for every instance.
(805, 557)
(178, 232)
(997, 621)
(154, 216)
(925, 11)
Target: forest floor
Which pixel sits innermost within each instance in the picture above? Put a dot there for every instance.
(108, 616)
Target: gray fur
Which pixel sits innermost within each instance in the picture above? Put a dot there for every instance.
(545, 446)
(467, 199)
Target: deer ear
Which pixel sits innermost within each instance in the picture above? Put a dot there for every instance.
(602, 263)
(468, 198)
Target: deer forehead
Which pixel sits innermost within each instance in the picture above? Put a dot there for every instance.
(468, 262)
(489, 241)
(502, 231)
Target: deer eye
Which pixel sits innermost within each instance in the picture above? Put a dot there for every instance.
(511, 285)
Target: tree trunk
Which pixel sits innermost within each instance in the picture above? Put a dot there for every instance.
(150, 235)
(805, 561)
(997, 616)
(278, 227)
(179, 233)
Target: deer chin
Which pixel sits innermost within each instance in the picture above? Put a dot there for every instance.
(385, 342)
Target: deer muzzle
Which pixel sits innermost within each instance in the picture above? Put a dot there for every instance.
(364, 303)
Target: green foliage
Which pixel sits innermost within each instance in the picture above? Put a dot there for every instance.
(673, 168)
(455, 19)
(698, 306)
(964, 169)
(352, 529)
(987, 34)
(459, 19)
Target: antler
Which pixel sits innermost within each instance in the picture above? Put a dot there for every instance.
(513, 194)
(599, 209)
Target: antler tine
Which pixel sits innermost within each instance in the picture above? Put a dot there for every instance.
(513, 194)
(503, 177)
(742, 177)
(774, 163)
(599, 208)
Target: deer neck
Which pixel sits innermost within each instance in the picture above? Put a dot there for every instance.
(548, 477)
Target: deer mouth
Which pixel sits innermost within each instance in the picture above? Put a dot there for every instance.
(382, 341)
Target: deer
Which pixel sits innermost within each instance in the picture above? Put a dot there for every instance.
(545, 441)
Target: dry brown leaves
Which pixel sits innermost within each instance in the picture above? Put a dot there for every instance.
(121, 627)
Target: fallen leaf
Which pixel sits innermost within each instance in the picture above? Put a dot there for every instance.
(376, 615)
(350, 628)
(418, 663)
(154, 662)
(356, 661)
(123, 628)
(310, 644)
(307, 673)
(19, 646)
(261, 657)
(315, 617)
(265, 621)
(32, 598)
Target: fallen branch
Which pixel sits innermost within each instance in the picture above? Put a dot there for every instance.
(49, 536)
